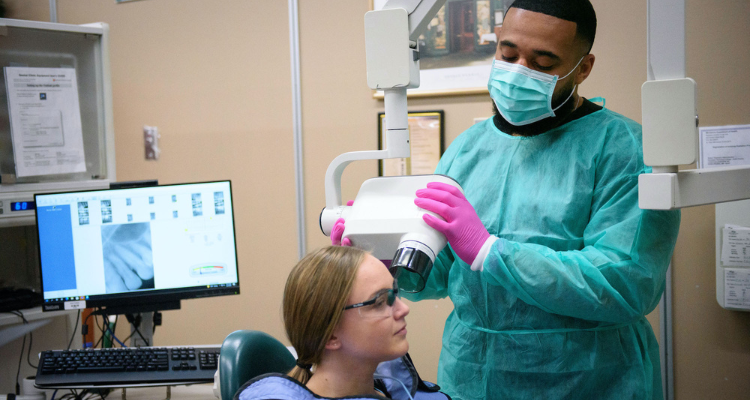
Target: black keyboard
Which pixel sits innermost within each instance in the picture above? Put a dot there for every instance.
(121, 367)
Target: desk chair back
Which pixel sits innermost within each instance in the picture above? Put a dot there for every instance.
(246, 354)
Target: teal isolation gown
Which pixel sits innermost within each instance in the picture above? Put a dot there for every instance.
(558, 310)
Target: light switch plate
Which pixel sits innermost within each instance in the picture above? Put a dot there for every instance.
(151, 142)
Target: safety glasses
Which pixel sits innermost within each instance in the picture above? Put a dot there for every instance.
(379, 306)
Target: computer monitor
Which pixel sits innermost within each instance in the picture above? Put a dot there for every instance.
(136, 249)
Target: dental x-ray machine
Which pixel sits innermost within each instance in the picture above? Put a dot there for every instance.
(384, 218)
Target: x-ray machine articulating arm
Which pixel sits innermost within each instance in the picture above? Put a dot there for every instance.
(670, 124)
(391, 45)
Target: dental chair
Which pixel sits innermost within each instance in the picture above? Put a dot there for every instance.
(246, 354)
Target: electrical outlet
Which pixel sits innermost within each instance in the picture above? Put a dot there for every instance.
(151, 142)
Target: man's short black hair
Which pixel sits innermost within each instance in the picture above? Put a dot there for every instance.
(579, 11)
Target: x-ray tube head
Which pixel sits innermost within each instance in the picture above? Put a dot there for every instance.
(385, 221)
(413, 261)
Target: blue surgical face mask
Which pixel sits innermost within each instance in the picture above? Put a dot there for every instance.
(523, 95)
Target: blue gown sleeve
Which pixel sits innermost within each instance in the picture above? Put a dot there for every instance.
(618, 276)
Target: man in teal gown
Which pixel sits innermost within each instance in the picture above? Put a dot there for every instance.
(552, 276)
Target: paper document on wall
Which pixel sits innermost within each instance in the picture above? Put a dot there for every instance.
(737, 288)
(45, 120)
(724, 146)
(735, 246)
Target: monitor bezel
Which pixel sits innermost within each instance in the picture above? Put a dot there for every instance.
(144, 301)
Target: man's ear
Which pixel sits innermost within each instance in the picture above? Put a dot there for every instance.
(587, 64)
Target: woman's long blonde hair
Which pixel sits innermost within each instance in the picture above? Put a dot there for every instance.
(314, 299)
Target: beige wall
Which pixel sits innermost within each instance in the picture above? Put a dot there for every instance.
(712, 345)
(214, 77)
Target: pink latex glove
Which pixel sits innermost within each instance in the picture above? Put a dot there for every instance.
(462, 226)
(338, 230)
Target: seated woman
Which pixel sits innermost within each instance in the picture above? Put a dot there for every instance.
(343, 315)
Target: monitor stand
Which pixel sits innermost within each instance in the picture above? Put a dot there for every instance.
(146, 329)
(146, 323)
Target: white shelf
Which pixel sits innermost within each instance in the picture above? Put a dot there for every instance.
(32, 314)
(36, 318)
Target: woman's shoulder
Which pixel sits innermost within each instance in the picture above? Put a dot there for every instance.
(273, 386)
(281, 386)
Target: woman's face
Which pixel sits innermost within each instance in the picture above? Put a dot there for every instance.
(372, 334)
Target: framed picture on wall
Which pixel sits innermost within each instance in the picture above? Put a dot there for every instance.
(457, 48)
(427, 139)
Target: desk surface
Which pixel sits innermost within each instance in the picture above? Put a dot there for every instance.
(191, 392)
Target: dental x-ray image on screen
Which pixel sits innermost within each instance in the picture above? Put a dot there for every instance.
(197, 204)
(219, 203)
(128, 258)
(106, 211)
(83, 213)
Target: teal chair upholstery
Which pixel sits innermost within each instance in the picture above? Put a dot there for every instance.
(246, 354)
